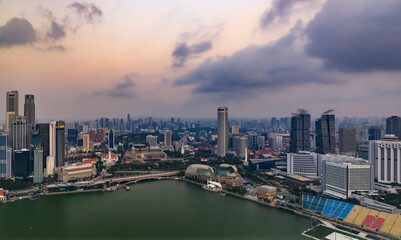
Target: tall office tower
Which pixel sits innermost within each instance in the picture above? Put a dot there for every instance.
(167, 139)
(5, 157)
(300, 131)
(21, 163)
(37, 165)
(151, 141)
(348, 140)
(18, 133)
(129, 122)
(375, 133)
(111, 139)
(29, 113)
(11, 107)
(72, 136)
(303, 163)
(253, 141)
(393, 126)
(222, 131)
(325, 133)
(385, 159)
(29, 110)
(43, 129)
(235, 129)
(274, 123)
(242, 147)
(343, 175)
(86, 142)
(60, 143)
(52, 139)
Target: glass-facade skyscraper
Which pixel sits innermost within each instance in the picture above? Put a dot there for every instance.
(5, 157)
(300, 131)
(325, 134)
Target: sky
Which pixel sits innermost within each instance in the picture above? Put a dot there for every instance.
(179, 58)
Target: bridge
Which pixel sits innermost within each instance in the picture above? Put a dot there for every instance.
(137, 178)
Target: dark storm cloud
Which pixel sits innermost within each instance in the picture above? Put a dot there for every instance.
(123, 89)
(17, 31)
(358, 35)
(278, 10)
(56, 31)
(88, 11)
(271, 67)
(183, 51)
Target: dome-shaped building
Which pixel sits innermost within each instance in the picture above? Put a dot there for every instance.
(225, 169)
(200, 170)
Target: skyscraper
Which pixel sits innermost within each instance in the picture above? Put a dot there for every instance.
(60, 143)
(18, 133)
(375, 133)
(111, 138)
(72, 136)
(222, 131)
(11, 107)
(29, 110)
(43, 129)
(86, 143)
(300, 131)
(57, 142)
(393, 126)
(167, 139)
(5, 157)
(347, 140)
(37, 165)
(325, 134)
(21, 163)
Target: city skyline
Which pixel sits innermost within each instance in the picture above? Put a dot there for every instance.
(174, 59)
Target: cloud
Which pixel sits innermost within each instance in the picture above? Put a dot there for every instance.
(56, 31)
(123, 89)
(279, 9)
(88, 11)
(357, 36)
(59, 48)
(17, 31)
(271, 67)
(183, 51)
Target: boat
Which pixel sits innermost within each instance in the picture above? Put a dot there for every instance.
(213, 186)
(33, 196)
(127, 188)
(222, 194)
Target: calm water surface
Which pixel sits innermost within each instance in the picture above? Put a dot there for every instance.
(151, 210)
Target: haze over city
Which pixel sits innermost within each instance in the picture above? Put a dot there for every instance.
(186, 58)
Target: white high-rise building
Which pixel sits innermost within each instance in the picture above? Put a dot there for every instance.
(303, 163)
(385, 159)
(222, 131)
(343, 175)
